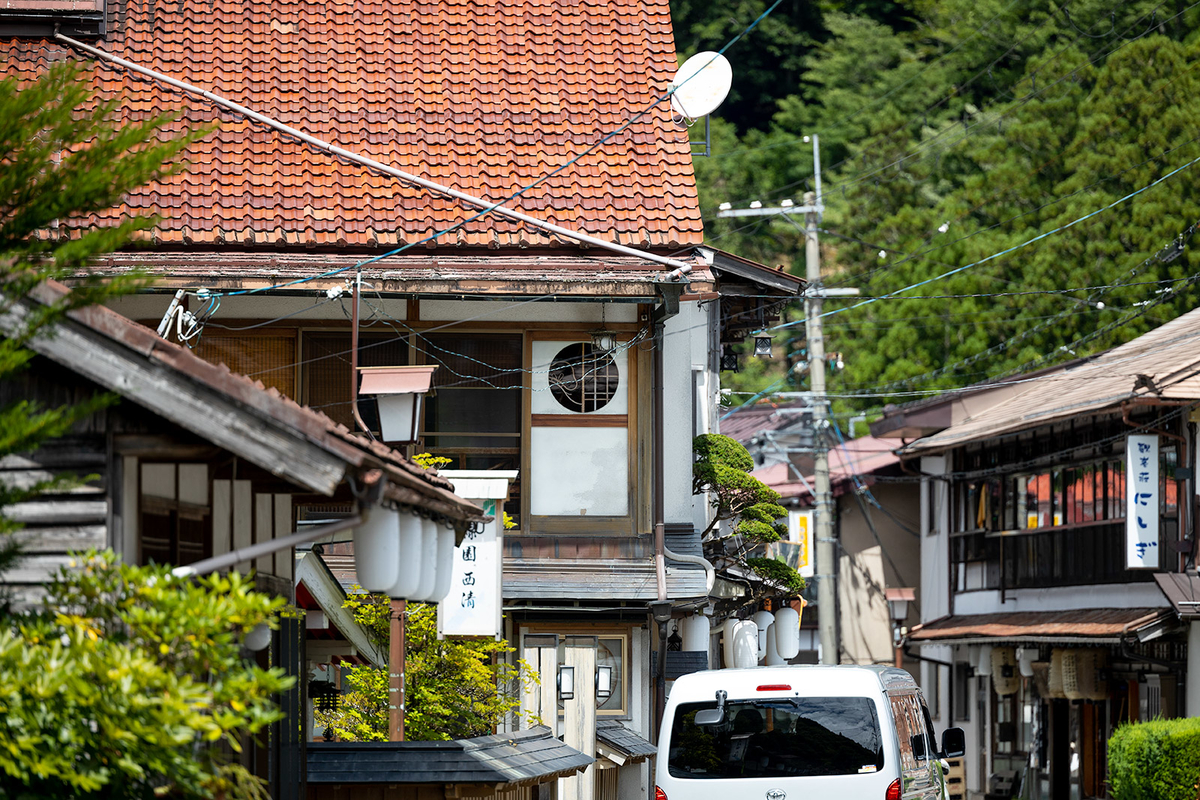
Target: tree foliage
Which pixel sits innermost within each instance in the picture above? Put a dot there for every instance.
(62, 157)
(454, 688)
(722, 469)
(131, 683)
(954, 131)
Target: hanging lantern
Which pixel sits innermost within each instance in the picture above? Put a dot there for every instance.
(695, 634)
(787, 633)
(324, 695)
(1054, 684)
(1004, 671)
(763, 620)
(409, 570)
(773, 659)
(445, 562)
(377, 549)
(429, 562)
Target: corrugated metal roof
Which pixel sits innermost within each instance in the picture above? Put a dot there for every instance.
(1161, 364)
(1101, 625)
(1183, 592)
(598, 579)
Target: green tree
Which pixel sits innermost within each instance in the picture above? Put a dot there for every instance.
(722, 469)
(453, 688)
(64, 158)
(130, 683)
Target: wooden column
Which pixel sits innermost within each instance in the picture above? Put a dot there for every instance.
(396, 673)
(579, 715)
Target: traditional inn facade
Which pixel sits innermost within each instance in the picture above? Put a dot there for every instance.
(1058, 546)
(578, 373)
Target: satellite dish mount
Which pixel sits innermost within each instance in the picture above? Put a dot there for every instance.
(698, 88)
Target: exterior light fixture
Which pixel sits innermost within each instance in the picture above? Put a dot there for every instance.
(604, 676)
(762, 346)
(729, 361)
(604, 341)
(389, 548)
(398, 392)
(566, 683)
(258, 638)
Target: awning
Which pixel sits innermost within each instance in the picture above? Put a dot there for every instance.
(1095, 626)
(521, 758)
(1183, 592)
(620, 745)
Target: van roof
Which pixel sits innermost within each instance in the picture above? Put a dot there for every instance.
(800, 679)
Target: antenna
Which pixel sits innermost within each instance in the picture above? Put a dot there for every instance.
(701, 84)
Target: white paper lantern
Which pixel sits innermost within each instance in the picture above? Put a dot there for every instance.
(745, 645)
(377, 549)
(763, 620)
(445, 562)
(429, 562)
(787, 632)
(727, 632)
(409, 573)
(983, 667)
(1025, 658)
(695, 633)
(1005, 679)
(773, 658)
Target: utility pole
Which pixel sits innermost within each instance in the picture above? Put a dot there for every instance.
(814, 296)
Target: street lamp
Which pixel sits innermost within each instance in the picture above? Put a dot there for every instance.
(398, 393)
(898, 600)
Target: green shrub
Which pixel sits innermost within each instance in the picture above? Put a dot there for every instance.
(1157, 760)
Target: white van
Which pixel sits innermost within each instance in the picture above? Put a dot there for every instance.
(800, 732)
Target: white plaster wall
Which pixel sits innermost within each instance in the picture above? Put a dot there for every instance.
(1064, 598)
(677, 415)
(542, 311)
(935, 541)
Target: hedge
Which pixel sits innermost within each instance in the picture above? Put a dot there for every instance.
(1157, 760)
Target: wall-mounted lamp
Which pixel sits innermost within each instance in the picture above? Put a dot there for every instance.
(566, 683)
(604, 676)
(257, 638)
(398, 392)
(762, 346)
(729, 361)
(604, 341)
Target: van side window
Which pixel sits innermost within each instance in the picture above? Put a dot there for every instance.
(907, 712)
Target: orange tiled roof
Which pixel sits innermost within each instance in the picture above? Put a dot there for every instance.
(484, 96)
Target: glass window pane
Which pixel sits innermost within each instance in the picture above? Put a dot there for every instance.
(473, 411)
(777, 738)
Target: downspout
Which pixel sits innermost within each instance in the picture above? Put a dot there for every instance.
(354, 356)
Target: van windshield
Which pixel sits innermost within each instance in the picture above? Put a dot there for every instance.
(777, 738)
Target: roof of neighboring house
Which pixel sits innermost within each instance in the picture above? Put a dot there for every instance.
(483, 96)
(522, 757)
(1162, 365)
(1084, 626)
(855, 458)
(621, 742)
(746, 422)
(229, 410)
(1182, 591)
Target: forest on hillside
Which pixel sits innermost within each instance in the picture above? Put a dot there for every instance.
(952, 133)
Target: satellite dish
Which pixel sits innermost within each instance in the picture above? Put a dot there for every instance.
(701, 84)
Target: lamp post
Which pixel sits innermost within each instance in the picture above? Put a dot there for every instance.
(898, 600)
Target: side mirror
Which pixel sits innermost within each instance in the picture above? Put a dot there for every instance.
(713, 716)
(918, 747)
(954, 743)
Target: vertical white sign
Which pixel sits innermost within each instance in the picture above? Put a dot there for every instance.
(472, 606)
(1141, 502)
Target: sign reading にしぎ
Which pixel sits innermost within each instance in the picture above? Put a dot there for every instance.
(1141, 501)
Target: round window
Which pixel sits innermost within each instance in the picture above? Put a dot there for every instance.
(583, 378)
